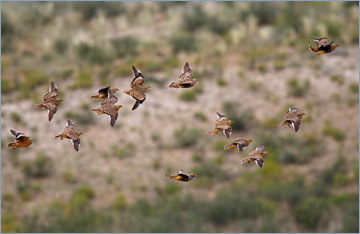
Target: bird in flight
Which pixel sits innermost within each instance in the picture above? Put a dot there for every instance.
(50, 102)
(137, 91)
(185, 79)
(323, 45)
(20, 140)
(222, 124)
(70, 133)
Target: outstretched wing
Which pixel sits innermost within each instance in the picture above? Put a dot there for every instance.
(186, 73)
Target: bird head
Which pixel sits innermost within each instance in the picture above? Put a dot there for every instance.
(79, 133)
(333, 46)
(147, 87)
(249, 141)
(118, 107)
(115, 90)
(230, 121)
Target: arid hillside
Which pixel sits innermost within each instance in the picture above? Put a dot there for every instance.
(252, 62)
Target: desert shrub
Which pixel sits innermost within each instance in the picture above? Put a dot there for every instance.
(127, 150)
(83, 81)
(120, 202)
(81, 197)
(197, 157)
(7, 33)
(84, 116)
(9, 222)
(262, 68)
(67, 73)
(194, 19)
(254, 85)
(309, 212)
(68, 177)
(200, 116)
(186, 137)
(188, 95)
(218, 145)
(278, 64)
(61, 45)
(42, 166)
(24, 189)
(93, 54)
(126, 46)
(34, 77)
(350, 219)
(296, 89)
(212, 171)
(354, 88)
(218, 26)
(242, 120)
(15, 117)
(265, 13)
(221, 82)
(337, 78)
(6, 86)
(90, 10)
(184, 43)
(333, 132)
(156, 164)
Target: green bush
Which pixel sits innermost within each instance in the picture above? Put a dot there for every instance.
(89, 10)
(42, 166)
(186, 137)
(188, 95)
(309, 212)
(61, 46)
(194, 19)
(120, 202)
(333, 132)
(68, 177)
(15, 117)
(296, 89)
(126, 46)
(81, 197)
(242, 120)
(354, 88)
(200, 116)
(337, 78)
(221, 82)
(184, 43)
(124, 152)
(6, 86)
(83, 81)
(84, 116)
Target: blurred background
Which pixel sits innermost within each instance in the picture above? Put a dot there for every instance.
(252, 62)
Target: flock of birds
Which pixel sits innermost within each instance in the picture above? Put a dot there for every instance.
(108, 106)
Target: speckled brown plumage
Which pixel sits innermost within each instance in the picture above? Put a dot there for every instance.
(222, 124)
(240, 143)
(258, 155)
(185, 80)
(323, 45)
(293, 118)
(107, 106)
(137, 91)
(20, 140)
(182, 176)
(70, 133)
(50, 102)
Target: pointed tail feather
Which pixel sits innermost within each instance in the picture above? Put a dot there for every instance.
(12, 145)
